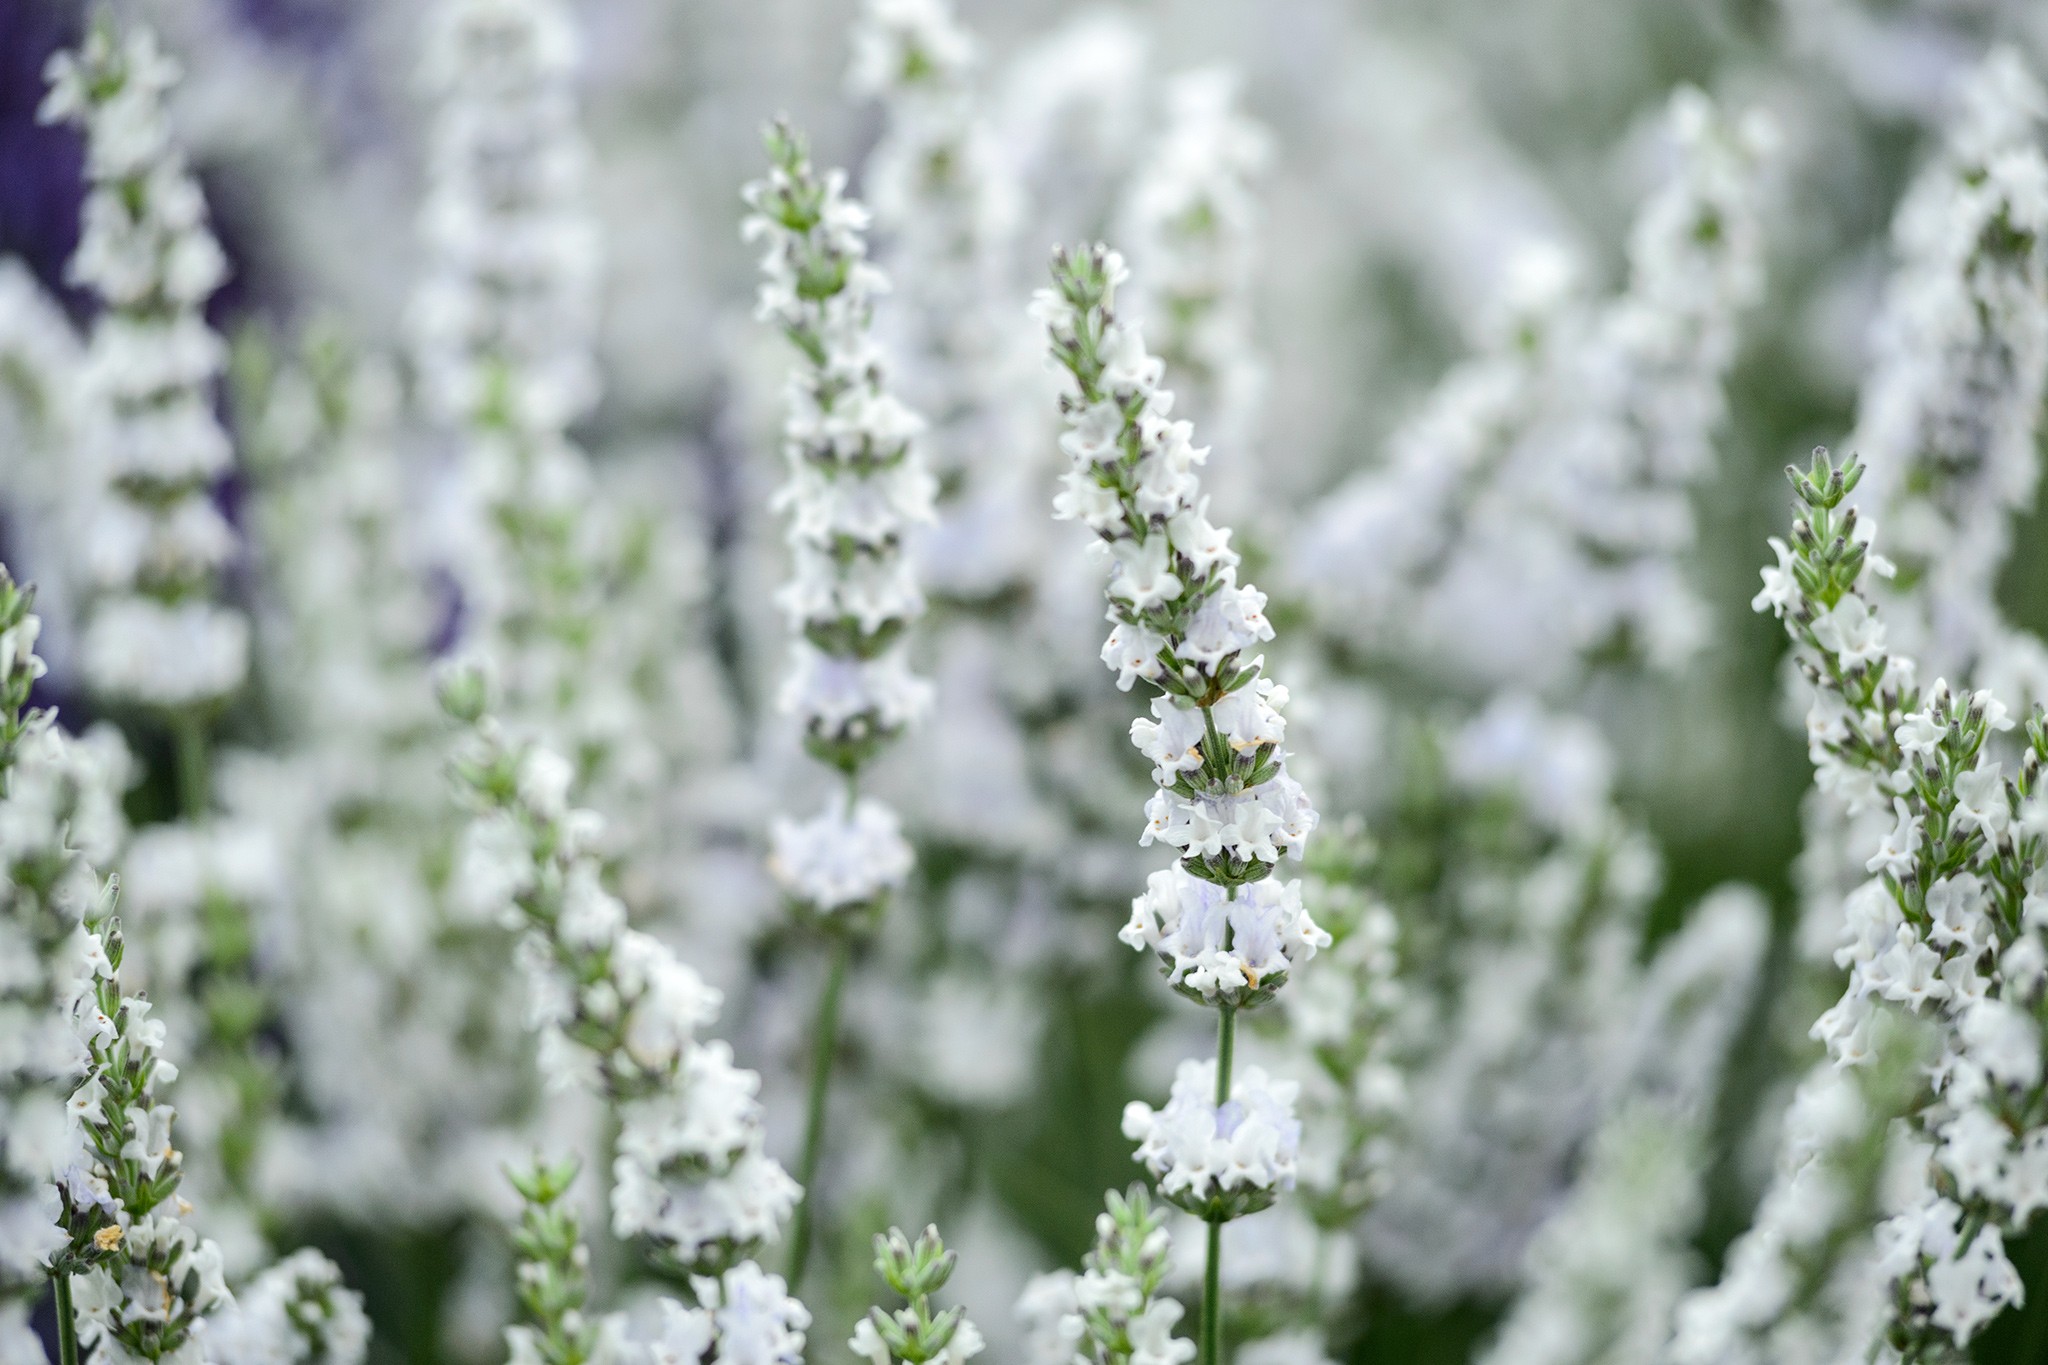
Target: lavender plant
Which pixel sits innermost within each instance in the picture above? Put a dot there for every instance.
(1948, 934)
(1224, 1145)
(856, 486)
(152, 447)
(615, 1009)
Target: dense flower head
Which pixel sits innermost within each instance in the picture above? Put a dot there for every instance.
(844, 859)
(856, 484)
(1219, 949)
(1224, 1159)
(745, 1316)
(1181, 620)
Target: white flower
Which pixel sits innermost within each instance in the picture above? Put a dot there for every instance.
(297, 1312)
(1921, 733)
(1219, 948)
(1895, 857)
(1143, 576)
(1780, 590)
(1201, 1153)
(1971, 1285)
(1981, 802)
(1850, 631)
(843, 857)
(1908, 972)
(756, 1320)
(1955, 905)
(852, 698)
(2004, 1040)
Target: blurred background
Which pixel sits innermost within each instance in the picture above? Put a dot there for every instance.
(1409, 155)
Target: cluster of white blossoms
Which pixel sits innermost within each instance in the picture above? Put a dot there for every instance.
(1219, 1157)
(149, 443)
(297, 1312)
(1950, 925)
(1182, 622)
(745, 1316)
(1537, 510)
(742, 1316)
(1950, 409)
(1113, 1312)
(615, 1009)
(1218, 947)
(855, 489)
(1189, 222)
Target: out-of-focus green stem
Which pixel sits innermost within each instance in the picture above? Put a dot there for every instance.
(67, 1321)
(1212, 1272)
(824, 1046)
(189, 733)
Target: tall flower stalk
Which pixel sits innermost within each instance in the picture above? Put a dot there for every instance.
(154, 636)
(856, 486)
(1949, 927)
(616, 1010)
(1226, 935)
(504, 321)
(156, 642)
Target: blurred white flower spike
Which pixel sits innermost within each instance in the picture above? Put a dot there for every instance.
(150, 449)
(1536, 513)
(1949, 415)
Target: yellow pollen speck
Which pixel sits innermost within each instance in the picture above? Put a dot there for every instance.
(107, 1238)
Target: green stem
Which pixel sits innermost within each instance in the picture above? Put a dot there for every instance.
(824, 1044)
(67, 1321)
(1212, 1273)
(1212, 1307)
(189, 732)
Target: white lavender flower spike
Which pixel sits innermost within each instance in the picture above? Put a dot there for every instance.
(149, 441)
